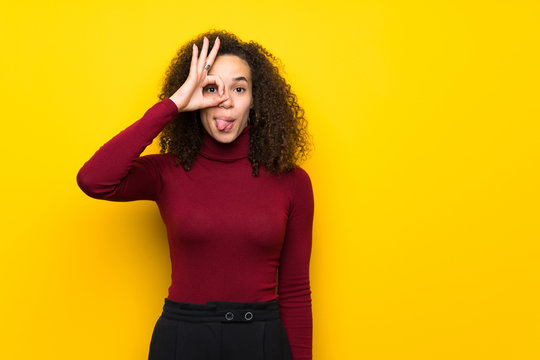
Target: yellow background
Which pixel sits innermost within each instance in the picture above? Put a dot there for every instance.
(425, 171)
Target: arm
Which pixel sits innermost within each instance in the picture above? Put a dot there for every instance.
(293, 275)
(116, 172)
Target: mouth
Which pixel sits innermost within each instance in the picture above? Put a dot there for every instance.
(224, 123)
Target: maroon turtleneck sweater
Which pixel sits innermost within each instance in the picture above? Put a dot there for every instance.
(231, 235)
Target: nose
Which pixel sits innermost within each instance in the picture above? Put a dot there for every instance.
(227, 103)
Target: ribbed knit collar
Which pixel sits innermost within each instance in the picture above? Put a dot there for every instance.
(225, 152)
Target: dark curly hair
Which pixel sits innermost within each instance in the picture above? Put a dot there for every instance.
(278, 130)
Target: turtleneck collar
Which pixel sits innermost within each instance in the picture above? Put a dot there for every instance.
(225, 152)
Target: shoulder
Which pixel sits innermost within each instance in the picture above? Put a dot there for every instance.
(301, 174)
(301, 193)
(300, 184)
(300, 178)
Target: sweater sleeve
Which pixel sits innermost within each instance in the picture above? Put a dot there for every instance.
(294, 289)
(116, 171)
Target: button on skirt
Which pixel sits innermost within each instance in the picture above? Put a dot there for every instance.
(220, 330)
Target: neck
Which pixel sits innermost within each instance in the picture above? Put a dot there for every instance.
(225, 152)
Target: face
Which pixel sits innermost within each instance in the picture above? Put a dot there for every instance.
(236, 76)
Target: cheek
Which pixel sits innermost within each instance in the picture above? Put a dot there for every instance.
(246, 111)
(204, 113)
(247, 105)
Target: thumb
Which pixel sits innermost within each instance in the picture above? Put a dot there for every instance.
(218, 100)
(214, 101)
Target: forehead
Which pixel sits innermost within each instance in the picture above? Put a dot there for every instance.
(230, 67)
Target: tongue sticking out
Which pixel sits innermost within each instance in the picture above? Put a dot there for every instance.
(224, 125)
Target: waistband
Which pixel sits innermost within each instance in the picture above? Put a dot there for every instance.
(224, 311)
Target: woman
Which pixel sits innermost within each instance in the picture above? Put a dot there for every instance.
(238, 211)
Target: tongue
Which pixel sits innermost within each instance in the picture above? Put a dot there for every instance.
(224, 125)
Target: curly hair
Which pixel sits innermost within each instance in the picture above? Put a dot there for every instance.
(278, 139)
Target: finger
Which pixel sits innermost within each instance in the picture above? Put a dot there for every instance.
(213, 98)
(194, 57)
(204, 51)
(219, 100)
(221, 85)
(217, 80)
(214, 51)
(212, 101)
(193, 67)
(215, 101)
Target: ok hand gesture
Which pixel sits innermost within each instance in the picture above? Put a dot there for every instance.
(189, 96)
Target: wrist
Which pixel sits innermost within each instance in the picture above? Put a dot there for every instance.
(177, 102)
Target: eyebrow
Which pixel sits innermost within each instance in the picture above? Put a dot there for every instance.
(238, 78)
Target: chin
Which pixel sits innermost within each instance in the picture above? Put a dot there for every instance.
(224, 137)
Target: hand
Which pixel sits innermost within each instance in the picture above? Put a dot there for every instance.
(189, 96)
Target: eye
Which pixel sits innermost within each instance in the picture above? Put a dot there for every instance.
(210, 89)
(240, 89)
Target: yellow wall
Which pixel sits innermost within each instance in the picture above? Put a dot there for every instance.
(425, 172)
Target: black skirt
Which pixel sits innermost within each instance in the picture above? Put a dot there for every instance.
(220, 330)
